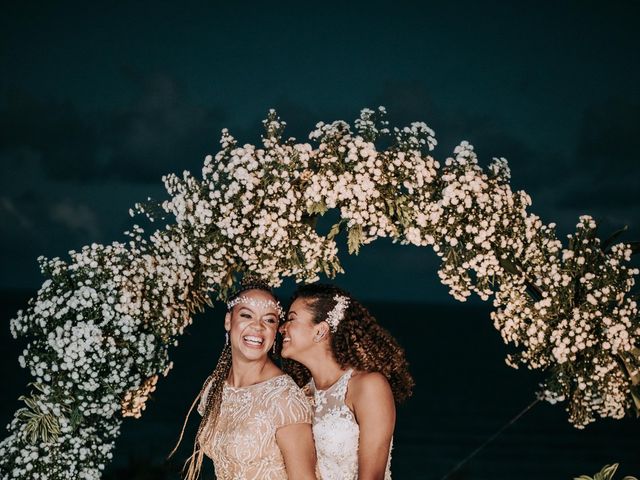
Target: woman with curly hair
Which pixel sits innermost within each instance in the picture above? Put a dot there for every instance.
(256, 422)
(355, 371)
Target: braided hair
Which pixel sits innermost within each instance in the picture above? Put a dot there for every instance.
(359, 341)
(215, 384)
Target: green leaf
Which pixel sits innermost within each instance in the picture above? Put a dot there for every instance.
(39, 426)
(333, 268)
(608, 471)
(335, 230)
(354, 239)
(318, 208)
(75, 418)
(390, 206)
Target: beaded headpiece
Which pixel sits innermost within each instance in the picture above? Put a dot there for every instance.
(258, 303)
(337, 312)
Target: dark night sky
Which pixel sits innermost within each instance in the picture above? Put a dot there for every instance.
(97, 102)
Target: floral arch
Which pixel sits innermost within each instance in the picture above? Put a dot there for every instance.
(100, 326)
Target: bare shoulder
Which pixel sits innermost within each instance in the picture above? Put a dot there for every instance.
(369, 395)
(368, 383)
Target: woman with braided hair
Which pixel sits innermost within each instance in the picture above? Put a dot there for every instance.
(354, 371)
(256, 422)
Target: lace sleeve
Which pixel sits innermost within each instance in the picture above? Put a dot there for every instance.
(203, 399)
(292, 406)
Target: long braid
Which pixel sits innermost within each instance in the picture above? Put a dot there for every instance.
(215, 384)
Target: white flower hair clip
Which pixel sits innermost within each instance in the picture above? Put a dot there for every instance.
(256, 303)
(337, 312)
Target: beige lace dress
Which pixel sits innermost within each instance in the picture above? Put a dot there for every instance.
(243, 445)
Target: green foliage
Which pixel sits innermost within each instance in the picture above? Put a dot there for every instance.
(354, 239)
(318, 208)
(335, 230)
(40, 425)
(606, 473)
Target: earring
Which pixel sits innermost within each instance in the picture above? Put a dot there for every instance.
(275, 342)
(226, 338)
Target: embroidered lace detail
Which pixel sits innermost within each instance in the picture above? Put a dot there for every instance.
(243, 445)
(336, 432)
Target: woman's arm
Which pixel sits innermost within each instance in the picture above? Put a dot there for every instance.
(298, 450)
(375, 411)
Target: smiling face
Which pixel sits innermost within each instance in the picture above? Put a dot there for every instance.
(252, 325)
(300, 333)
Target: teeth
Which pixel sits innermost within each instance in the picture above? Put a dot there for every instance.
(286, 339)
(254, 340)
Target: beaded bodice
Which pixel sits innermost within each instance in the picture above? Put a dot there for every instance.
(336, 432)
(243, 444)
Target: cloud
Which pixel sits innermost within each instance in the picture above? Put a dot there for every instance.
(44, 216)
(40, 215)
(50, 217)
(67, 178)
(75, 216)
(160, 131)
(9, 210)
(163, 131)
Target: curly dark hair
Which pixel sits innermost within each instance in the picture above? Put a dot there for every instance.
(217, 378)
(359, 341)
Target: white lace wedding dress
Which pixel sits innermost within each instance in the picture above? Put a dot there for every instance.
(336, 432)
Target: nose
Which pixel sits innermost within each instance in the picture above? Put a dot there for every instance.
(283, 329)
(257, 324)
